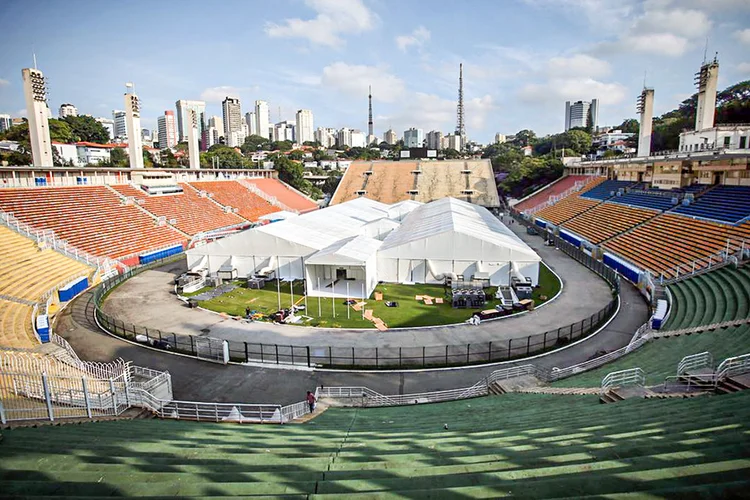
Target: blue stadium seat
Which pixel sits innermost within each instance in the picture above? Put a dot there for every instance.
(605, 190)
(646, 200)
(728, 204)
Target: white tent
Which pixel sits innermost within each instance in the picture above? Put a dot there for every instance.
(346, 267)
(449, 237)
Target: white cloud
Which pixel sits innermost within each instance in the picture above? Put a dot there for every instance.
(687, 23)
(21, 112)
(432, 112)
(557, 90)
(604, 16)
(334, 18)
(743, 35)
(659, 43)
(576, 66)
(4, 82)
(418, 38)
(354, 80)
(217, 94)
(744, 68)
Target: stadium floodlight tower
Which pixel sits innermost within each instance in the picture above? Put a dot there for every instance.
(646, 110)
(133, 126)
(706, 79)
(192, 139)
(35, 91)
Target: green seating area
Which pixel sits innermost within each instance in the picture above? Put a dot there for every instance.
(714, 297)
(540, 446)
(659, 358)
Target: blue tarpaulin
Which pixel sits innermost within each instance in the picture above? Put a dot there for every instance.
(147, 257)
(42, 327)
(630, 272)
(72, 289)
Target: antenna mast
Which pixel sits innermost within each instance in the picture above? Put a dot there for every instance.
(369, 119)
(460, 127)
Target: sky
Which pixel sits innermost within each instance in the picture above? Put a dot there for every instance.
(522, 58)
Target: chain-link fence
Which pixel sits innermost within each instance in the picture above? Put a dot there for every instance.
(373, 357)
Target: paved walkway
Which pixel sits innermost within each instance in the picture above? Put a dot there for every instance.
(204, 381)
(148, 300)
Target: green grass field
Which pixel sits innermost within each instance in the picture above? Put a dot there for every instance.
(408, 313)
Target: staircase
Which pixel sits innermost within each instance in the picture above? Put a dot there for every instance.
(732, 384)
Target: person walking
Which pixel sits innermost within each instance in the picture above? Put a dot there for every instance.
(311, 401)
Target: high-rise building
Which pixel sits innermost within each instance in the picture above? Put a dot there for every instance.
(67, 110)
(5, 122)
(284, 131)
(359, 140)
(326, 137)
(35, 91)
(232, 113)
(434, 139)
(133, 125)
(414, 138)
(453, 141)
(183, 126)
(390, 137)
(120, 128)
(262, 117)
(167, 130)
(579, 113)
(344, 138)
(646, 110)
(500, 138)
(109, 126)
(304, 126)
(252, 123)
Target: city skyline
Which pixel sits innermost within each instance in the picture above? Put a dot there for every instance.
(511, 80)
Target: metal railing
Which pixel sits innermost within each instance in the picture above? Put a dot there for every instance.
(621, 378)
(737, 249)
(366, 397)
(733, 366)
(695, 362)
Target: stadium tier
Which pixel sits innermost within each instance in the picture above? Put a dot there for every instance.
(233, 194)
(655, 200)
(659, 358)
(605, 190)
(192, 213)
(552, 190)
(394, 181)
(607, 220)
(728, 204)
(671, 240)
(15, 325)
(566, 209)
(533, 446)
(284, 193)
(714, 297)
(91, 218)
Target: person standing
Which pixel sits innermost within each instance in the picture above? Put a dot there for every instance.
(311, 401)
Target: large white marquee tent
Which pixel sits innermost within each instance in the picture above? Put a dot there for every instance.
(346, 249)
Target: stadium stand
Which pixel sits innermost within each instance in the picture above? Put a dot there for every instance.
(192, 213)
(667, 241)
(727, 204)
(91, 218)
(233, 194)
(647, 199)
(391, 181)
(15, 326)
(27, 272)
(607, 220)
(659, 358)
(605, 190)
(566, 209)
(533, 446)
(352, 182)
(554, 189)
(714, 297)
(284, 193)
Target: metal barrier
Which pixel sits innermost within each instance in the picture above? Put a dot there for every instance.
(368, 357)
(631, 376)
(365, 397)
(733, 366)
(695, 362)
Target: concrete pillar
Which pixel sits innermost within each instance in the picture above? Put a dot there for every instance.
(133, 126)
(192, 139)
(35, 92)
(706, 80)
(646, 109)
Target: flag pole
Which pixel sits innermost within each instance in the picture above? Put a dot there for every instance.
(363, 300)
(320, 312)
(333, 298)
(347, 301)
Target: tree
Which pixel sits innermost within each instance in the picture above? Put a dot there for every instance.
(290, 171)
(331, 183)
(281, 146)
(312, 144)
(629, 126)
(450, 154)
(226, 157)
(118, 158)
(253, 143)
(182, 146)
(167, 158)
(148, 161)
(296, 155)
(524, 137)
(87, 129)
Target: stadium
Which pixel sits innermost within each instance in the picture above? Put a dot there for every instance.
(163, 331)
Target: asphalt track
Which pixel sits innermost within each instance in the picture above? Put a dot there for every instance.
(197, 380)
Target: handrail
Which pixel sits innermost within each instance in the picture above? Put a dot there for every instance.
(733, 366)
(631, 376)
(695, 362)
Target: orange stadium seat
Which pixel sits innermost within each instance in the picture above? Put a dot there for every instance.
(390, 182)
(668, 241)
(193, 214)
(607, 220)
(233, 194)
(551, 190)
(91, 218)
(284, 193)
(353, 180)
